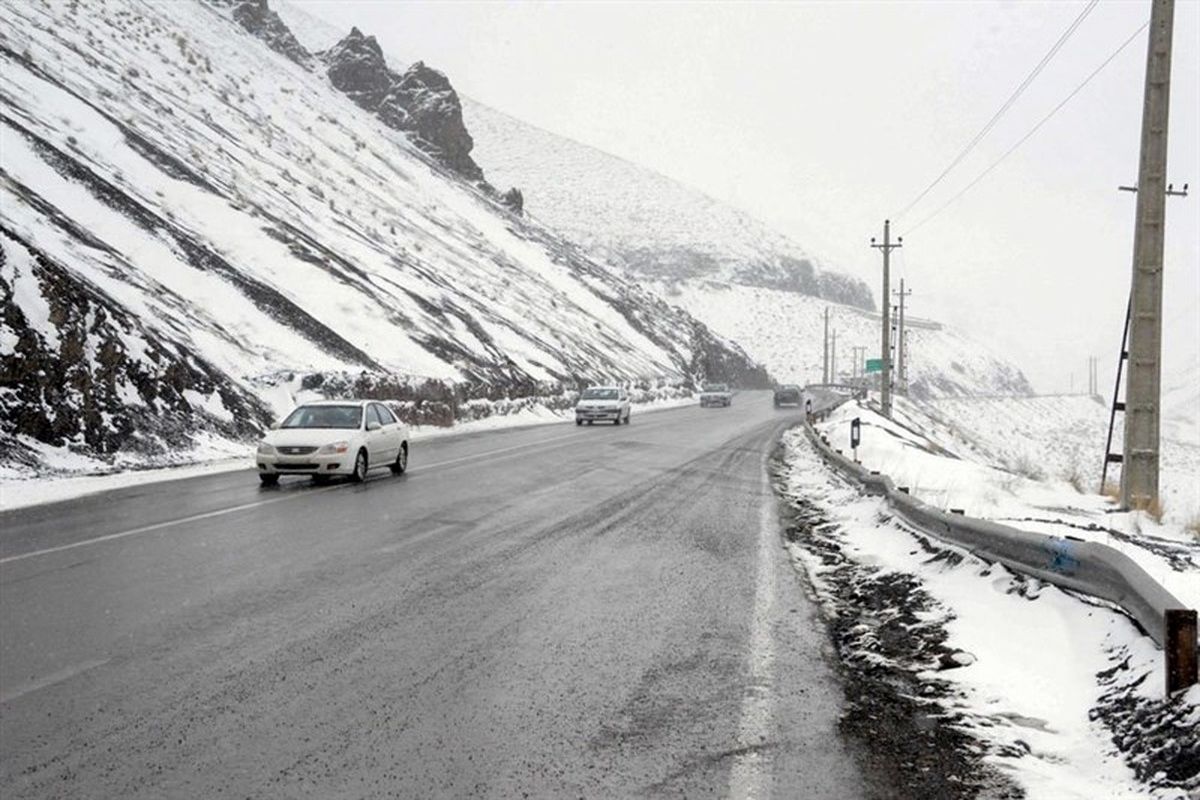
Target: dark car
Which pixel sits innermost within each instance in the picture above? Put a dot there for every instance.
(788, 395)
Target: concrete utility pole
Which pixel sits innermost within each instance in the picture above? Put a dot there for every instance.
(825, 356)
(885, 382)
(902, 342)
(833, 359)
(1139, 473)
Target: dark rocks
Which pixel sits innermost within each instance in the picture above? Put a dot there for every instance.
(420, 102)
(257, 18)
(514, 200)
(356, 68)
(81, 372)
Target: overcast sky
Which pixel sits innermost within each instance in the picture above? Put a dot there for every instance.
(822, 119)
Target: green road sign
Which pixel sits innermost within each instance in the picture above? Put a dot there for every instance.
(874, 365)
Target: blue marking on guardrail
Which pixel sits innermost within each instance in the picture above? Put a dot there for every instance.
(1063, 556)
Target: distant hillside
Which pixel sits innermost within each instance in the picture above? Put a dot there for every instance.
(741, 278)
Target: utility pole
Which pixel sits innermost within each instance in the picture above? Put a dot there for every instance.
(902, 342)
(833, 359)
(1139, 474)
(885, 383)
(825, 356)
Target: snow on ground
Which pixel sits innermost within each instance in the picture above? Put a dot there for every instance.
(1021, 658)
(944, 468)
(1063, 437)
(785, 331)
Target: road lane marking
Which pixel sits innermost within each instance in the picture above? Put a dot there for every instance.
(750, 773)
(51, 679)
(220, 512)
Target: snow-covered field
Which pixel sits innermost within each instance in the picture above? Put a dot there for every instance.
(1030, 672)
(785, 331)
(1062, 437)
(1048, 679)
(946, 468)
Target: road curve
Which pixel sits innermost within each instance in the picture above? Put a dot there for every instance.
(544, 612)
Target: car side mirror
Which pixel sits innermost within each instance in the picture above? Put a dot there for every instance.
(275, 426)
(373, 426)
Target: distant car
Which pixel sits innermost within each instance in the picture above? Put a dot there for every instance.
(716, 394)
(334, 437)
(788, 395)
(602, 403)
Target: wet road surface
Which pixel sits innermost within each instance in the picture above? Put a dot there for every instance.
(546, 612)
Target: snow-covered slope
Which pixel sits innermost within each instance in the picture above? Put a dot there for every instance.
(785, 331)
(631, 216)
(191, 214)
(741, 278)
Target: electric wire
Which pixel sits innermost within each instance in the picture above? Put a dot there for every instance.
(1007, 104)
(1032, 131)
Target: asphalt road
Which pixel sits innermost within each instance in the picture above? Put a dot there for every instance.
(545, 612)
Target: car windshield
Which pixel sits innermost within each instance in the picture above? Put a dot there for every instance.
(349, 417)
(599, 394)
(715, 387)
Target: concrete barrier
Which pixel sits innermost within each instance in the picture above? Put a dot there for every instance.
(1086, 567)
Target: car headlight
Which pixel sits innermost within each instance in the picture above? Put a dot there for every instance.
(334, 447)
(265, 449)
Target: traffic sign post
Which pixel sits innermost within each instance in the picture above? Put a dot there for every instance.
(855, 436)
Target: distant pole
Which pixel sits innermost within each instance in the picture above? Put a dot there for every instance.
(901, 356)
(825, 355)
(833, 358)
(1139, 474)
(885, 378)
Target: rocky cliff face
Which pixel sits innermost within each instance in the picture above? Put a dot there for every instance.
(258, 18)
(78, 370)
(419, 101)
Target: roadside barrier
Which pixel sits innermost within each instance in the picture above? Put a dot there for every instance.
(1086, 567)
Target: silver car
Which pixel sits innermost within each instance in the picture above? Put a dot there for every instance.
(603, 404)
(333, 437)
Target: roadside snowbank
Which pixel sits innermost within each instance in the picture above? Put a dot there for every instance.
(944, 466)
(1032, 673)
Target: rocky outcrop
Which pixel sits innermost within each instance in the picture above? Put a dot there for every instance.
(79, 371)
(258, 19)
(420, 101)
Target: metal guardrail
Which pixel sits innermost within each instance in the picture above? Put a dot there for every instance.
(1086, 567)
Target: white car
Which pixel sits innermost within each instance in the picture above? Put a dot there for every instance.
(334, 437)
(716, 394)
(603, 403)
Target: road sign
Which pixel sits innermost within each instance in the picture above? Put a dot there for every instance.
(855, 432)
(874, 365)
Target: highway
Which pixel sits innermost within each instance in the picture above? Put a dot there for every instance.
(548, 611)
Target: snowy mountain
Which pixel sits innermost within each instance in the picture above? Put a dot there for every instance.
(744, 280)
(194, 213)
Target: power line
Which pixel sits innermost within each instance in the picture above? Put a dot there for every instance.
(1007, 104)
(1033, 130)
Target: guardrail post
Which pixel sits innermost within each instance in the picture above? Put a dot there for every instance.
(1180, 649)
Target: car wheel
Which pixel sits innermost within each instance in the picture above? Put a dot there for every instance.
(401, 462)
(627, 418)
(268, 480)
(360, 467)
(578, 422)
(589, 422)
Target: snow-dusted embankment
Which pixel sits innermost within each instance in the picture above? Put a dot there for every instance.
(1065, 693)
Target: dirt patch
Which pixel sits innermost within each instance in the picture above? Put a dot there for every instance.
(886, 629)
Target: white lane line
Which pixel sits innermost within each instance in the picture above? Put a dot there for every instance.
(158, 526)
(750, 773)
(51, 679)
